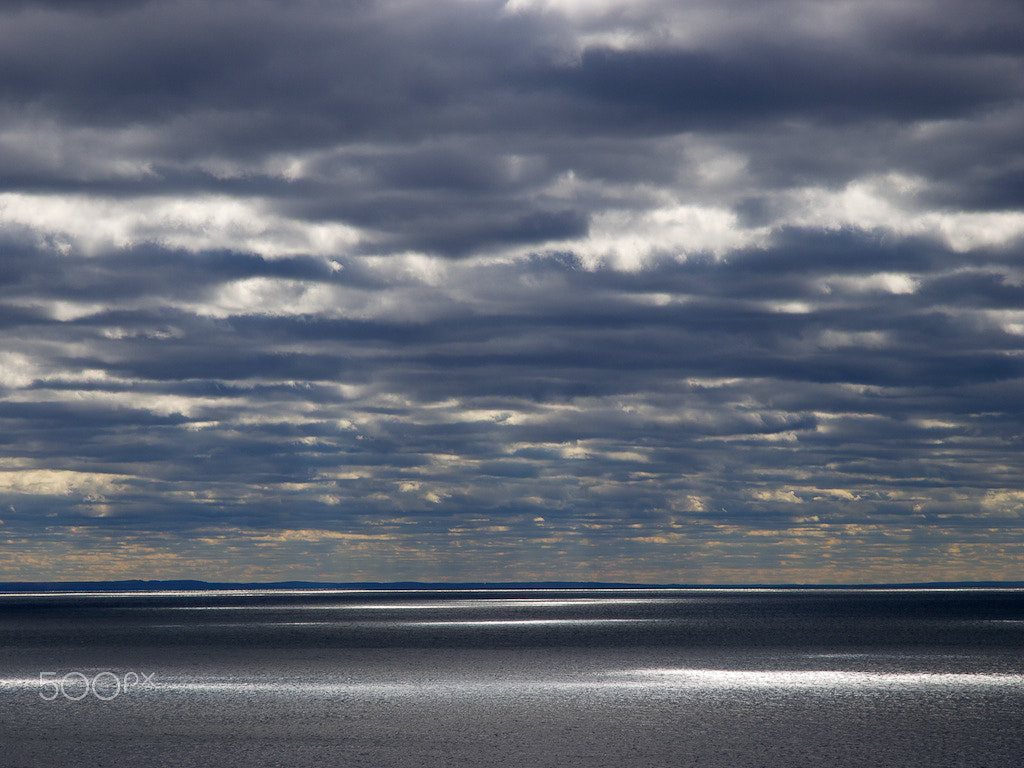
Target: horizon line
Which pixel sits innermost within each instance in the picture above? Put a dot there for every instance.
(128, 585)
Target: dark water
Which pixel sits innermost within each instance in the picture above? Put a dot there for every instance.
(518, 678)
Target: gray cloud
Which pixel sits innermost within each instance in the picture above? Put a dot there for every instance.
(466, 290)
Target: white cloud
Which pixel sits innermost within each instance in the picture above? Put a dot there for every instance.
(888, 203)
(17, 370)
(60, 482)
(199, 222)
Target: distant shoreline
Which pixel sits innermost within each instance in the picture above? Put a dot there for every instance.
(139, 585)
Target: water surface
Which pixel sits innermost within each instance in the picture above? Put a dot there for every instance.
(514, 677)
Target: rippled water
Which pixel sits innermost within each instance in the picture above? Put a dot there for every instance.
(530, 677)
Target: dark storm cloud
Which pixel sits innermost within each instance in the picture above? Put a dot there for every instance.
(139, 271)
(685, 89)
(331, 71)
(515, 98)
(604, 292)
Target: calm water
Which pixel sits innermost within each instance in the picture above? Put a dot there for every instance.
(518, 678)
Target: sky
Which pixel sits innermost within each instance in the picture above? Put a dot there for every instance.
(472, 290)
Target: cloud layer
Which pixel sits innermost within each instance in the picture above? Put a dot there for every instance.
(538, 289)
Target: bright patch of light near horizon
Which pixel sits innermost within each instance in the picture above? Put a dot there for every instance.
(733, 678)
(520, 622)
(438, 605)
(649, 680)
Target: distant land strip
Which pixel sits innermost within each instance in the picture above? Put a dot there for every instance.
(140, 585)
